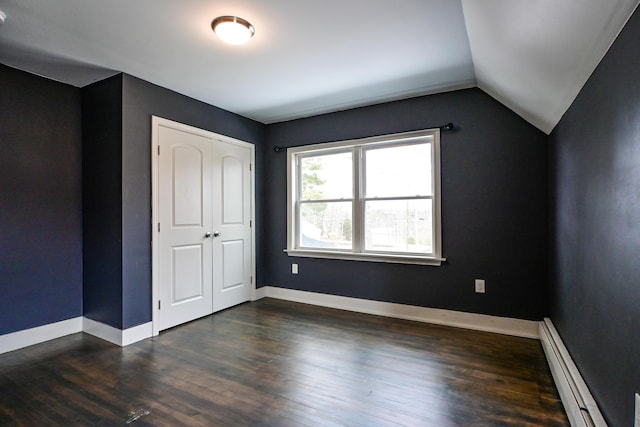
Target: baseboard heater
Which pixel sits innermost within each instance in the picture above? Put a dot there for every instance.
(580, 406)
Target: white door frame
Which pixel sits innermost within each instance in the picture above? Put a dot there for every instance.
(155, 123)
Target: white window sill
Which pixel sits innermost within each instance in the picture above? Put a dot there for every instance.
(371, 257)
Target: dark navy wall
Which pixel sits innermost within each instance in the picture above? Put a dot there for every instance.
(102, 194)
(40, 201)
(596, 217)
(494, 206)
(141, 100)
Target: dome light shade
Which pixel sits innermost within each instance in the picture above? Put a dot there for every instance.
(232, 29)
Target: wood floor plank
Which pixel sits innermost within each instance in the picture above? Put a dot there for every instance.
(278, 363)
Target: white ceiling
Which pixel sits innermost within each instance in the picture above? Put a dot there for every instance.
(310, 57)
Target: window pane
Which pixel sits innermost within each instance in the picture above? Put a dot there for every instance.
(327, 177)
(398, 171)
(399, 226)
(326, 225)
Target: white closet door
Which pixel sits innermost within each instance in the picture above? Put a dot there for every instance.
(203, 259)
(185, 251)
(231, 218)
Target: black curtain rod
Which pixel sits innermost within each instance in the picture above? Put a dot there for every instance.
(448, 126)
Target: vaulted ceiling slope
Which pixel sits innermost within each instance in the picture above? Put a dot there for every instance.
(313, 57)
(534, 56)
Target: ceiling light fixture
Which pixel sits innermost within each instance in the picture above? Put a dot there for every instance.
(232, 29)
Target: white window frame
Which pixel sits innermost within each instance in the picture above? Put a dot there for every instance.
(358, 146)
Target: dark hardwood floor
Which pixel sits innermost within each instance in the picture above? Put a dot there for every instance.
(277, 363)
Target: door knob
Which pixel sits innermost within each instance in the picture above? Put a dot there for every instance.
(217, 234)
(208, 235)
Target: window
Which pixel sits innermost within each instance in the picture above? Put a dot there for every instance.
(372, 199)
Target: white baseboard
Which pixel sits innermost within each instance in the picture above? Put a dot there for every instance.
(259, 293)
(37, 335)
(582, 409)
(137, 333)
(115, 335)
(480, 322)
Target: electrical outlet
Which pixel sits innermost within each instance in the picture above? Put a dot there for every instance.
(636, 419)
(294, 268)
(480, 286)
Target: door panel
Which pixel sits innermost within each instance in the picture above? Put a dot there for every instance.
(231, 217)
(233, 264)
(232, 190)
(188, 175)
(187, 281)
(184, 198)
